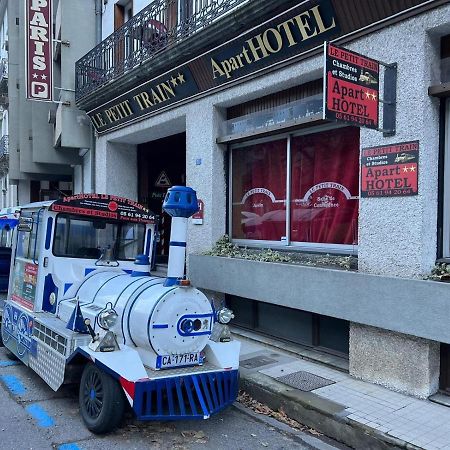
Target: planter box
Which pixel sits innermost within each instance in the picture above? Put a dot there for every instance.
(415, 307)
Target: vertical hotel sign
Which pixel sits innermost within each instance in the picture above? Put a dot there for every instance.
(351, 87)
(39, 45)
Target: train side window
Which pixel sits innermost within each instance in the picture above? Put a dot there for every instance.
(131, 241)
(27, 245)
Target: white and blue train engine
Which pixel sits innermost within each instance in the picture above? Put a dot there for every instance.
(82, 310)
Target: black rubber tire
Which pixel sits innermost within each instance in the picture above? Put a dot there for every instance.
(101, 400)
(10, 355)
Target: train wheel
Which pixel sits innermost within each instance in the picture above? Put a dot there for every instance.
(101, 400)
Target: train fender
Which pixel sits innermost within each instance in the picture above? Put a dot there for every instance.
(124, 365)
(223, 354)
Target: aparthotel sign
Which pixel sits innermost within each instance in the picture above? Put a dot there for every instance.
(39, 44)
(290, 34)
(351, 93)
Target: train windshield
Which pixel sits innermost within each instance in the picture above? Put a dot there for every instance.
(77, 237)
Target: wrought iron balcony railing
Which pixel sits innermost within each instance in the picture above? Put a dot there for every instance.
(4, 154)
(160, 25)
(3, 70)
(4, 146)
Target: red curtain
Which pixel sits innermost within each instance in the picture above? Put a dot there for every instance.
(259, 191)
(325, 186)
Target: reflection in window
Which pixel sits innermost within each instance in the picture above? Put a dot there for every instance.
(131, 241)
(259, 191)
(84, 238)
(324, 188)
(27, 247)
(324, 194)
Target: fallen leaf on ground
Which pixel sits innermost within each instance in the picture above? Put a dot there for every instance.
(279, 415)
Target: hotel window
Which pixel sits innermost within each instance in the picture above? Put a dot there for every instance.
(316, 174)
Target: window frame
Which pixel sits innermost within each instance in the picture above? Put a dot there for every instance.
(446, 196)
(346, 249)
(87, 219)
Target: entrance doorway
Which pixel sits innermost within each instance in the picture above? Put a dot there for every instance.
(161, 164)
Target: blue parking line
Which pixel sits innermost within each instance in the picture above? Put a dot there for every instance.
(71, 446)
(40, 414)
(13, 384)
(6, 363)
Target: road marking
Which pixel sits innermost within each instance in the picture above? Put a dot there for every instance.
(9, 363)
(13, 384)
(71, 446)
(41, 415)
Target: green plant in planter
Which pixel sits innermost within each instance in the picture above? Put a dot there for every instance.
(223, 247)
(440, 272)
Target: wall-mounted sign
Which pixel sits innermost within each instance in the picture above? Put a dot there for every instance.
(197, 218)
(163, 180)
(39, 50)
(351, 87)
(104, 206)
(290, 34)
(390, 170)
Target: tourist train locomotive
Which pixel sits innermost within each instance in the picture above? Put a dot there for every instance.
(83, 307)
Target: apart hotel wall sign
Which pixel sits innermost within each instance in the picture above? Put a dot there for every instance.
(390, 170)
(288, 35)
(351, 87)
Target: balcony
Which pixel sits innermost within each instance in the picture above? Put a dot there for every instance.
(3, 76)
(164, 34)
(4, 153)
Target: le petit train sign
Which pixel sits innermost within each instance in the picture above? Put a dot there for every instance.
(279, 39)
(351, 87)
(390, 170)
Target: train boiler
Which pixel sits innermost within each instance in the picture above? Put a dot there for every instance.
(80, 309)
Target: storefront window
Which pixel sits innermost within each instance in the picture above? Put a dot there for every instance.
(324, 195)
(259, 191)
(323, 171)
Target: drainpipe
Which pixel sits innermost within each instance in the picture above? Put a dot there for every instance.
(98, 39)
(98, 21)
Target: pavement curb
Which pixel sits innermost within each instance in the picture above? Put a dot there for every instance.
(318, 413)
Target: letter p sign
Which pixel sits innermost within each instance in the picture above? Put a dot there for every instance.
(39, 90)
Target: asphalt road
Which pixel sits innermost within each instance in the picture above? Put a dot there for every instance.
(32, 416)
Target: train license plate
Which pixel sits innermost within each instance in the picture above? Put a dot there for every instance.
(185, 359)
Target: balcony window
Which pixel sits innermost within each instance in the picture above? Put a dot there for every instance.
(316, 174)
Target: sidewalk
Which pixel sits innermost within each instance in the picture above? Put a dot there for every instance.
(359, 414)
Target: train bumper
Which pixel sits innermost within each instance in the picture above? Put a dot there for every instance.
(194, 396)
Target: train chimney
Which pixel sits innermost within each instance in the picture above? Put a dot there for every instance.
(180, 203)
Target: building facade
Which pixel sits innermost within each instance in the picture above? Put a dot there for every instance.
(227, 97)
(45, 145)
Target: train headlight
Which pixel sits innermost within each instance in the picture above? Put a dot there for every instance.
(107, 319)
(224, 315)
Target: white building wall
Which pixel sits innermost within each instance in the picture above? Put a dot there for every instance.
(77, 179)
(23, 192)
(87, 172)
